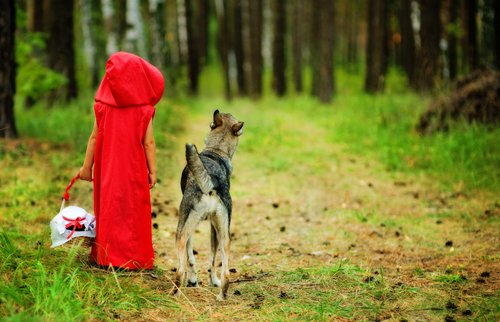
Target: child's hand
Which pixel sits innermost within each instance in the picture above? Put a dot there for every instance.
(152, 179)
(85, 173)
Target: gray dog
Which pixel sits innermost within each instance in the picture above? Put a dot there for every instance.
(205, 187)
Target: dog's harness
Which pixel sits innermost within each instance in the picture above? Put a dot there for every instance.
(220, 160)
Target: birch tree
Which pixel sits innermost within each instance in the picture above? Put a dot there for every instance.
(89, 41)
(134, 36)
(108, 13)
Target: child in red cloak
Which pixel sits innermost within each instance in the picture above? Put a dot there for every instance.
(121, 149)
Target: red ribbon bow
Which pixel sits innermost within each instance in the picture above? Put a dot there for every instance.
(76, 223)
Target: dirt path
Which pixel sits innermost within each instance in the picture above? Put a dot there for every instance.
(323, 207)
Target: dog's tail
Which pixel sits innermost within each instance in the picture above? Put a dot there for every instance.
(198, 169)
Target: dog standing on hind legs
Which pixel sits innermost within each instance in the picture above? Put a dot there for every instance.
(205, 184)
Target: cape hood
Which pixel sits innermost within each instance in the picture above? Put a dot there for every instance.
(130, 81)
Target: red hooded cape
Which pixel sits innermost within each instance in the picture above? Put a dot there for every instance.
(124, 106)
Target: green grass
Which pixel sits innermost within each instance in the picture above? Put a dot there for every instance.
(57, 285)
(35, 280)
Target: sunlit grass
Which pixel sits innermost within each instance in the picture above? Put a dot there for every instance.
(288, 136)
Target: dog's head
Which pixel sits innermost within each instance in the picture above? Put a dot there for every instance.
(225, 133)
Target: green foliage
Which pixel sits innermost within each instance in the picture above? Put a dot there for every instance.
(34, 80)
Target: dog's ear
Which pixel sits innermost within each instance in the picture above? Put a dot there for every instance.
(217, 120)
(238, 128)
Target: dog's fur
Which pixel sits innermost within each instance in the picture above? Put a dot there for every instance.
(205, 186)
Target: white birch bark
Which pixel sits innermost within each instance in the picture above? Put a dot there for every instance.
(134, 37)
(182, 28)
(108, 13)
(88, 39)
(158, 37)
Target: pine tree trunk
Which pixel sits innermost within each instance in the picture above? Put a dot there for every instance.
(407, 40)
(223, 40)
(60, 47)
(121, 17)
(252, 33)
(172, 33)
(322, 49)
(108, 13)
(496, 8)
(326, 80)
(34, 11)
(376, 51)
(452, 40)
(315, 45)
(182, 30)
(471, 34)
(279, 58)
(238, 45)
(7, 69)
(297, 30)
(352, 32)
(203, 14)
(193, 50)
(427, 69)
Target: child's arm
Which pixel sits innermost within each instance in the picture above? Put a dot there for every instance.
(86, 170)
(150, 150)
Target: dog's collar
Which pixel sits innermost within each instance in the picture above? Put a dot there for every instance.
(217, 158)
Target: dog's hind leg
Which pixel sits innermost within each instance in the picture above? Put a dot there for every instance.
(222, 227)
(192, 278)
(214, 245)
(184, 232)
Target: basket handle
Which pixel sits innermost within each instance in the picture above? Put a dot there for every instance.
(66, 192)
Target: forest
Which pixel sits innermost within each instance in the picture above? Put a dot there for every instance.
(365, 185)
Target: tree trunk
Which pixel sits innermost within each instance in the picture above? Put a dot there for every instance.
(174, 57)
(7, 68)
(159, 46)
(322, 50)
(108, 13)
(121, 17)
(407, 40)
(182, 30)
(34, 12)
(238, 45)
(89, 41)
(496, 7)
(297, 30)
(279, 58)
(427, 69)
(223, 39)
(353, 8)
(134, 35)
(60, 48)
(193, 50)
(376, 46)
(452, 39)
(252, 33)
(470, 12)
(203, 14)
(315, 44)
(326, 81)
